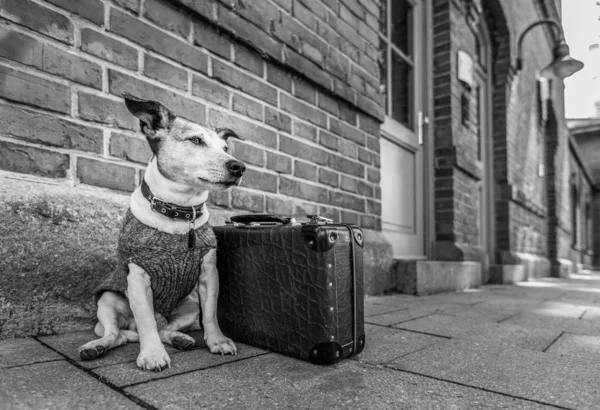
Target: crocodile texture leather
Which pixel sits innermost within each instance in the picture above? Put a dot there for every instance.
(278, 293)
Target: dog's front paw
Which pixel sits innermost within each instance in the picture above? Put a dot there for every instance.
(155, 359)
(217, 343)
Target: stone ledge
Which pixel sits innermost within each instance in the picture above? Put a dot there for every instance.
(421, 277)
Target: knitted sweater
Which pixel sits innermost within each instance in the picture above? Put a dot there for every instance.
(173, 268)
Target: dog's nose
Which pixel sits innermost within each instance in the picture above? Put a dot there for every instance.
(237, 168)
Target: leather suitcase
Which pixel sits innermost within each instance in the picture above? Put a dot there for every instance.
(292, 288)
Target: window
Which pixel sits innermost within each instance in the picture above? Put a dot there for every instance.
(397, 23)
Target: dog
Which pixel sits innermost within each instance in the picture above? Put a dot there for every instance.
(166, 267)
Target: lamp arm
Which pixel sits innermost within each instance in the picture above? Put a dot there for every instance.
(556, 25)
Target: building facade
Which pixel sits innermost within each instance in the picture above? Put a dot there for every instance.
(406, 117)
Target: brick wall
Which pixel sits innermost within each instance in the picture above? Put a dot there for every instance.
(298, 79)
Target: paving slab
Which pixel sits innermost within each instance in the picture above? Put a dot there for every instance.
(394, 300)
(511, 303)
(577, 345)
(57, 385)
(557, 380)
(19, 352)
(485, 333)
(372, 309)
(274, 381)
(125, 374)
(69, 343)
(384, 344)
(399, 316)
(476, 312)
(533, 320)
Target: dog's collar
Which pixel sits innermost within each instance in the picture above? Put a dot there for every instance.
(187, 213)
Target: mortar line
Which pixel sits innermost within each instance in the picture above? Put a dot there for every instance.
(105, 382)
(512, 396)
(30, 364)
(552, 342)
(583, 314)
(193, 370)
(409, 330)
(508, 317)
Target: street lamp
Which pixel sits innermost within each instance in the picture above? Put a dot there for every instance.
(562, 65)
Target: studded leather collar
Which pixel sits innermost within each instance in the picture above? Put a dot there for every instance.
(186, 213)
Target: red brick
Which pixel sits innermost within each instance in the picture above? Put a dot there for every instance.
(364, 188)
(346, 15)
(373, 207)
(350, 34)
(329, 177)
(237, 79)
(130, 148)
(204, 8)
(348, 184)
(92, 10)
(373, 175)
(340, 88)
(278, 77)
(300, 38)
(247, 153)
(247, 200)
(280, 206)
(305, 170)
(165, 72)
(348, 114)
(348, 149)
(278, 119)
(26, 88)
(369, 125)
(279, 163)
(377, 192)
(338, 64)
(316, 6)
(303, 110)
(20, 47)
(261, 181)
(261, 13)
(220, 198)
(305, 16)
(376, 160)
(364, 156)
(207, 37)
(247, 107)
(370, 222)
(347, 166)
(249, 59)
(299, 189)
(369, 34)
(38, 18)
(304, 130)
(165, 15)
(329, 104)
(210, 91)
(370, 107)
(106, 111)
(344, 130)
(348, 217)
(329, 212)
(373, 144)
(308, 68)
(120, 83)
(156, 40)
(328, 140)
(346, 201)
(246, 30)
(245, 129)
(371, 6)
(372, 22)
(133, 5)
(286, 4)
(109, 49)
(305, 91)
(45, 129)
(30, 160)
(300, 150)
(71, 66)
(105, 174)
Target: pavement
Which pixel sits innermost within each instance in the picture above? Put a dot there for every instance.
(531, 345)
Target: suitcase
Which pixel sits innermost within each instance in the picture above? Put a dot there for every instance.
(292, 288)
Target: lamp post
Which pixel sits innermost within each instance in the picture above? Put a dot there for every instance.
(562, 65)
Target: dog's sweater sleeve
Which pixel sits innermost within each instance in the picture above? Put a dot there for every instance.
(173, 268)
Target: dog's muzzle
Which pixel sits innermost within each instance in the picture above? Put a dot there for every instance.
(236, 168)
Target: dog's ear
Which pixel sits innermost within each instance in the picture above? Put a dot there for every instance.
(225, 133)
(152, 114)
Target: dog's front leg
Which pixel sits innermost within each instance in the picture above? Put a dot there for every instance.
(153, 355)
(208, 287)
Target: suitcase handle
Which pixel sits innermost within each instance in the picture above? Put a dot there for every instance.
(262, 218)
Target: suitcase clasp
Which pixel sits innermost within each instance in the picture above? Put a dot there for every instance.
(317, 219)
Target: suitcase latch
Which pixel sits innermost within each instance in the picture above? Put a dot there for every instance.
(316, 219)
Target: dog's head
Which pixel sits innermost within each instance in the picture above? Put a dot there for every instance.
(186, 152)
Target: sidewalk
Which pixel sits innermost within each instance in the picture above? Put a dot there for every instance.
(533, 345)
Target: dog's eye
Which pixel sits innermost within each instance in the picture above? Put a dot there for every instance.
(197, 141)
(226, 148)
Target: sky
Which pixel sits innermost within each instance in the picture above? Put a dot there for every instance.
(582, 28)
